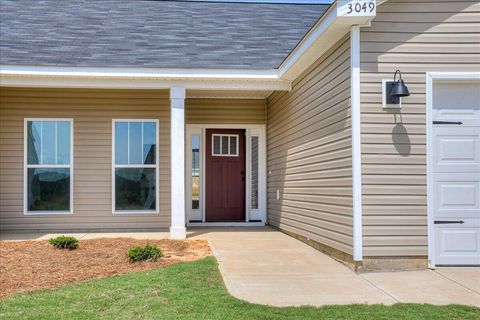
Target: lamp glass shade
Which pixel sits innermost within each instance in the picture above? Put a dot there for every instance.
(400, 89)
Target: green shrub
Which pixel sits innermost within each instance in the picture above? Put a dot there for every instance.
(148, 252)
(64, 242)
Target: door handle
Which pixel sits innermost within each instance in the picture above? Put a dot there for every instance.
(448, 122)
(448, 221)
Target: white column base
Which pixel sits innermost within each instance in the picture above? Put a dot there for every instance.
(178, 233)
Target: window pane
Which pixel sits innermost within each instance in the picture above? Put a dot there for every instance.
(63, 142)
(135, 189)
(149, 142)
(48, 189)
(135, 144)
(254, 183)
(216, 144)
(48, 142)
(224, 144)
(34, 144)
(195, 172)
(121, 142)
(233, 145)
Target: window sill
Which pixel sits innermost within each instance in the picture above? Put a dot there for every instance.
(145, 212)
(40, 213)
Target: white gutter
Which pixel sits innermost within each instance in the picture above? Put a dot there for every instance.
(124, 72)
(141, 78)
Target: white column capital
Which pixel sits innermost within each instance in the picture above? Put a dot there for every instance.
(177, 92)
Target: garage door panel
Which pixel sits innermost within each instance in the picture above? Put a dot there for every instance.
(458, 243)
(458, 151)
(456, 173)
(459, 197)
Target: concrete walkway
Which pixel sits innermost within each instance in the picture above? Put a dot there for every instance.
(261, 265)
(268, 267)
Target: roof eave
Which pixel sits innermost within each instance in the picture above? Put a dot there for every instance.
(330, 28)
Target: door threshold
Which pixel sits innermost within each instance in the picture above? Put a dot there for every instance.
(226, 224)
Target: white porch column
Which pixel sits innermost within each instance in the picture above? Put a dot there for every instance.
(177, 162)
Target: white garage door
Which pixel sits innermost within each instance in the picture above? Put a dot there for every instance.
(456, 172)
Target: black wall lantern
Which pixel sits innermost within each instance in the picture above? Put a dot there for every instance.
(395, 89)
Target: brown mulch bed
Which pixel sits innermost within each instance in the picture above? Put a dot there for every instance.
(33, 265)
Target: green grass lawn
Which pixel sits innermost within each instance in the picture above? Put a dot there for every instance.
(190, 291)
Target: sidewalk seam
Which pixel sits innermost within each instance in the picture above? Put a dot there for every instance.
(395, 299)
(456, 282)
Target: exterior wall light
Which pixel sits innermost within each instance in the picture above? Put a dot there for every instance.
(393, 91)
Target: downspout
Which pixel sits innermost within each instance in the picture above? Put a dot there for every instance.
(356, 143)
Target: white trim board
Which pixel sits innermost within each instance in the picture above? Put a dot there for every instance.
(250, 214)
(225, 224)
(26, 166)
(356, 143)
(156, 166)
(430, 78)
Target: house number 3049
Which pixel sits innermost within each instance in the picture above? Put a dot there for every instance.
(361, 7)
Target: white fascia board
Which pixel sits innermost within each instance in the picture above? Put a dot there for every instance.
(323, 35)
(142, 73)
(141, 78)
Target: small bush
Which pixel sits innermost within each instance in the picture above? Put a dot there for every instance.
(64, 242)
(148, 252)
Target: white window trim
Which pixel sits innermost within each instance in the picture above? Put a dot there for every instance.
(156, 166)
(26, 166)
(221, 138)
(194, 214)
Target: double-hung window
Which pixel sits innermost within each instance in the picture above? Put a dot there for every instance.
(135, 166)
(48, 171)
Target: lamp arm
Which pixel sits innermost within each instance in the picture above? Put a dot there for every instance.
(395, 75)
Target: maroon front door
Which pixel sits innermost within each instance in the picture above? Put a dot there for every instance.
(225, 175)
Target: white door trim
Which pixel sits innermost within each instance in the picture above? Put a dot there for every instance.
(251, 130)
(430, 78)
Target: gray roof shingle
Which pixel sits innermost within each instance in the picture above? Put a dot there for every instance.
(142, 33)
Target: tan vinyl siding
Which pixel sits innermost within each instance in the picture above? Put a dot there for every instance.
(309, 153)
(415, 37)
(228, 111)
(92, 112)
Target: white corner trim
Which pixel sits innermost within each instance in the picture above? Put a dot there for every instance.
(356, 143)
(430, 182)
